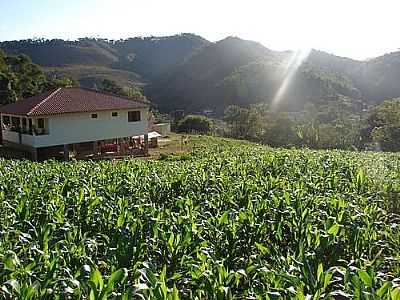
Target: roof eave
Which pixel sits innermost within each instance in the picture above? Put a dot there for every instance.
(12, 113)
(32, 114)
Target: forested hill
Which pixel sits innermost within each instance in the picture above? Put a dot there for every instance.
(131, 61)
(234, 71)
(188, 72)
(377, 78)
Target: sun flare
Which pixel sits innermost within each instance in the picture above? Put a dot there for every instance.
(290, 70)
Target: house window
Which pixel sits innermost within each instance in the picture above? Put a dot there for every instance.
(40, 123)
(15, 123)
(41, 127)
(94, 116)
(133, 116)
(6, 120)
(114, 114)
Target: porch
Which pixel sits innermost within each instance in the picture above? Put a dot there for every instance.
(109, 149)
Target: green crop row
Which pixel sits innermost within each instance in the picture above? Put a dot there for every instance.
(229, 220)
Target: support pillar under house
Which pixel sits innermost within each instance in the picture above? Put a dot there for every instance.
(95, 147)
(66, 152)
(146, 144)
(34, 154)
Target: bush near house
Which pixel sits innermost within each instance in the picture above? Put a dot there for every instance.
(194, 124)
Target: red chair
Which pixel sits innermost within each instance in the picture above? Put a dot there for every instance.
(109, 148)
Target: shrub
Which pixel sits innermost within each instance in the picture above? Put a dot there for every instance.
(195, 124)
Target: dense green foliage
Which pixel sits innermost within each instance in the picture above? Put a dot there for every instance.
(383, 126)
(229, 220)
(334, 125)
(194, 124)
(20, 78)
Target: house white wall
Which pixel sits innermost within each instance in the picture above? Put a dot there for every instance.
(75, 128)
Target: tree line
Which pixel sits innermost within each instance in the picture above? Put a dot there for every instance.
(335, 125)
(330, 126)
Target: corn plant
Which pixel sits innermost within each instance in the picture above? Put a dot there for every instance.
(229, 220)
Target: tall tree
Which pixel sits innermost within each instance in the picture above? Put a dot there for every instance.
(20, 78)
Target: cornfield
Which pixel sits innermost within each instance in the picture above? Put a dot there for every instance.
(229, 220)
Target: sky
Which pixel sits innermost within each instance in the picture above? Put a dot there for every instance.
(359, 29)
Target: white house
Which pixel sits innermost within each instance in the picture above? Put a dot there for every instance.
(69, 116)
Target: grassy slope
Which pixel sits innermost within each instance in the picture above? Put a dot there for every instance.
(225, 219)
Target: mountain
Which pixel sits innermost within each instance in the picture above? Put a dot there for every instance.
(188, 72)
(236, 71)
(134, 61)
(377, 78)
(380, 77)
(211, 79)
(151, 57)
(193, 84)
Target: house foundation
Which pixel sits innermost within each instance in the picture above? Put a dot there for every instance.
(29, 152)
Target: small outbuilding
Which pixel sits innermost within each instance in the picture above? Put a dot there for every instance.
(162, 128)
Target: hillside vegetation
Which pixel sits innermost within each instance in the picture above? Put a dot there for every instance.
(135, 60)
(20, 78)
(229, 220)
(188, 72)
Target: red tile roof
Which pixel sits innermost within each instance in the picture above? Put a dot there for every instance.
(70, 100)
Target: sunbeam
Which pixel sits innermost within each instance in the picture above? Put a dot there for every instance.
(291, 68)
